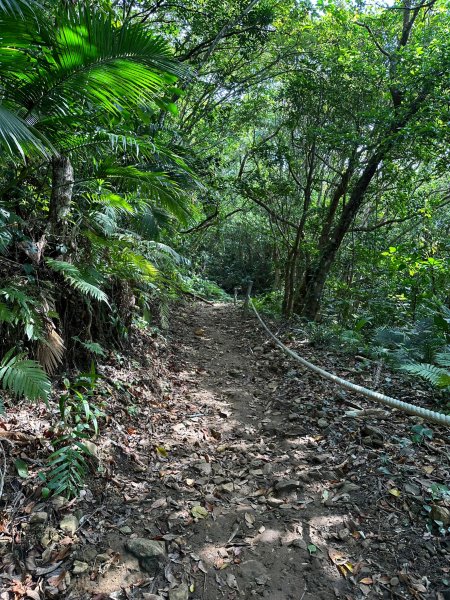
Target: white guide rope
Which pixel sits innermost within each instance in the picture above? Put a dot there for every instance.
(428, 415)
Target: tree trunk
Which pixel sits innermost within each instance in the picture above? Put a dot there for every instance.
(62, 187)
(309, 295)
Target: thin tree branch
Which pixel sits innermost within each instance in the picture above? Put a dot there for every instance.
(374, 39)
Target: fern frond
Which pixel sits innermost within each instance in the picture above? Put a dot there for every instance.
(24, 377)
(435, 375)
(74, 277)
(141, 264)
(6, 314)
(443, 359)
(93, 347)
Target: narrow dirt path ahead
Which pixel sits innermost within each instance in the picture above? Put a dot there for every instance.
(239, 478)
(252, 467)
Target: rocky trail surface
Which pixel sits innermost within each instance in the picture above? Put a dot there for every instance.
(229, 472)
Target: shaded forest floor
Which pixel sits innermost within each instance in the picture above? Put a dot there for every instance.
(230, 472)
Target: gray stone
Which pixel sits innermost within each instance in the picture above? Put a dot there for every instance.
(50, 535)
(286, 485)
(204, 468)
(125, 530)
(58, 502)
(150, 553)
(440, 513)
(69, 524)
(227, 487)
(102, 558)
(322, 423)
(147, 596)
(299, 543)
(38, 518)
(79, 567)
(344, 534)
(180, 592)
(348, 487)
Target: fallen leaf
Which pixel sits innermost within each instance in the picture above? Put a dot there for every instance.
(395, 492)
(22, 468)
(198, 512)
(232, 582)
(249, 519)
(161, 451)
(160, 503)
(202, 567)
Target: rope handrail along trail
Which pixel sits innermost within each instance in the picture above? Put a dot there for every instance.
(428, 415)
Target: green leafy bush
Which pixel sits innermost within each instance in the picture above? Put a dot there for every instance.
(204, 287)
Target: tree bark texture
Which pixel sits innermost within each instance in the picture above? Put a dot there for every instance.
(62, 188)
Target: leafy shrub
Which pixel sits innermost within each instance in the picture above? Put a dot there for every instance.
(269, 302)
(204, 287)
(68, 465)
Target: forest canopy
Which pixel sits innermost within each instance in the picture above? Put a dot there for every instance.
(151, 148)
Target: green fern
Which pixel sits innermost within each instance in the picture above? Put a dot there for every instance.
(6, 314)
(73, 275)
(443, 359)
(93, 347)
(24, 377)
(437, 376)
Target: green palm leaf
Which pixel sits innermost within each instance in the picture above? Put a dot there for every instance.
(24, 377)
(93, 59)
(19, 138)
(73, 275)
(14, 6)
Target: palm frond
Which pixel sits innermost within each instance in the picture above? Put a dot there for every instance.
(159, 187)
(20, 139)
(6, 314)
(14, 7)
(24, 377)
(75, 278)
(51, 351)
(93, 59)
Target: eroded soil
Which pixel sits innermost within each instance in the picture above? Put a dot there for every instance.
(246, 470)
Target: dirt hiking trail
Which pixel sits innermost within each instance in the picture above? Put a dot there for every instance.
(238, 476)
